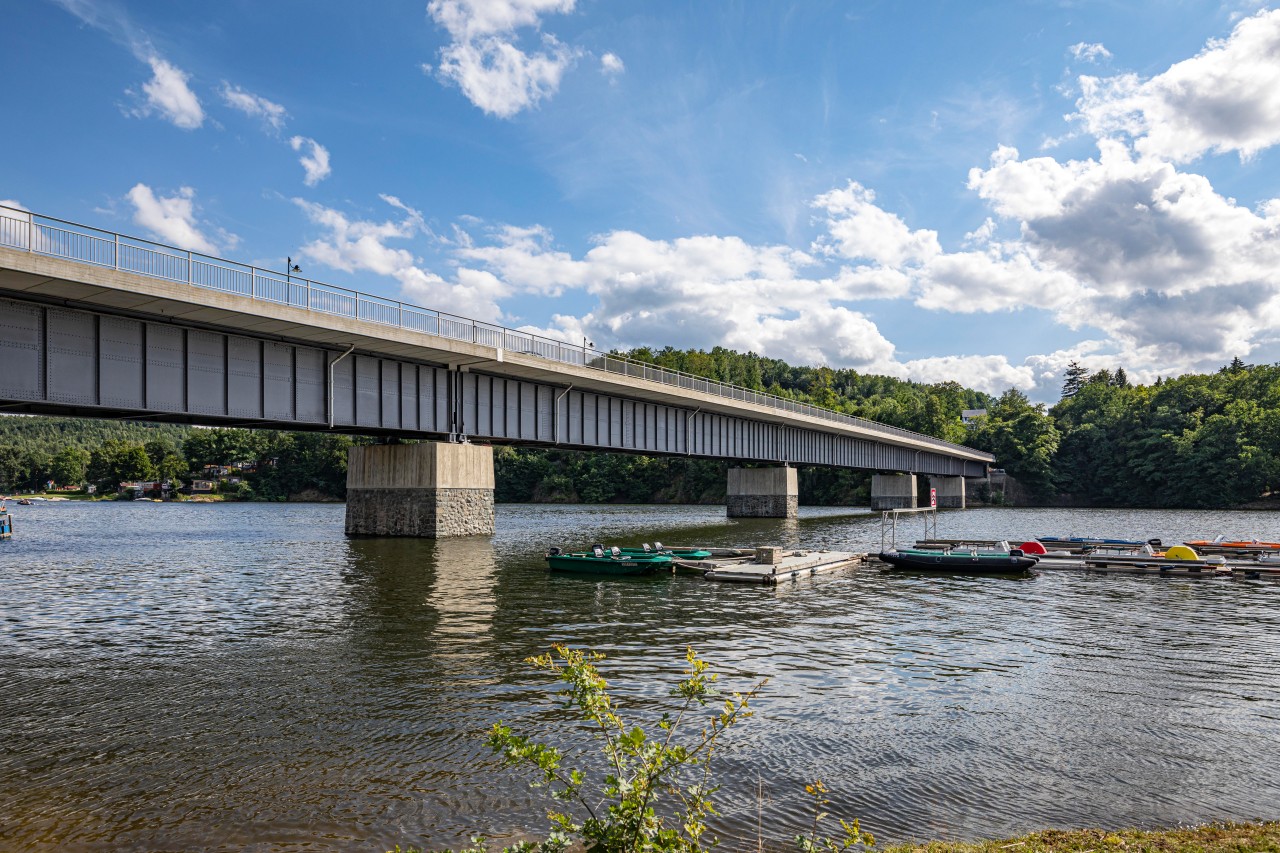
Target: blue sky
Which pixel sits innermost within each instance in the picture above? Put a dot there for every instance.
(971, 191)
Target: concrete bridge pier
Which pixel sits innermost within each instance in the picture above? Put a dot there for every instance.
(893, 491)
(950, 491)
(430, 490)
(762, 493)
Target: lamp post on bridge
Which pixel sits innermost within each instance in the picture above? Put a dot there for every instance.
(289, 269)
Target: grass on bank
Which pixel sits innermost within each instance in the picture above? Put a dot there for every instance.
(1212, 838)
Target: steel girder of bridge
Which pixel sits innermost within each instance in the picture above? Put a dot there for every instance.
(61, 360)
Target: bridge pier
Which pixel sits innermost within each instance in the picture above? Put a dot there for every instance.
(430, 490)
(893, 491)
(950, 491)
(762, 493)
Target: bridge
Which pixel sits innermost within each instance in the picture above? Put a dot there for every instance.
(99, 324)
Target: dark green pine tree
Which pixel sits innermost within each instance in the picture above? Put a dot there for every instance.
(1236, 365)
(1120, 379)
(1076, 378)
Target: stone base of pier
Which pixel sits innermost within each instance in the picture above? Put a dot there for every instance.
(950, 491)
(430, 490)
(762, 493)
(893, 491)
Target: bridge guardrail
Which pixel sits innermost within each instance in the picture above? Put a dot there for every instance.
(45, 235)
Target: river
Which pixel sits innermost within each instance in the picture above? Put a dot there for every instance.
(242, 676)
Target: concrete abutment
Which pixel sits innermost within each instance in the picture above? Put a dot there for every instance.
(430, 490)
(950, 491)
(762, 493)
(893, 491)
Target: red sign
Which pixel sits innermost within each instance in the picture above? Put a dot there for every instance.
(933, 498)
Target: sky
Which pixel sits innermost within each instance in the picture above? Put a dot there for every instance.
(971, 191)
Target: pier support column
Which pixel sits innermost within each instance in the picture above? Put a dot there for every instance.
(762, 493)
(429, 490)
(951, 491)
(893, 491)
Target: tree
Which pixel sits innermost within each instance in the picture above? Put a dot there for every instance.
(1023, 439)
(69, 466)
(1074, 379)
(116, 462)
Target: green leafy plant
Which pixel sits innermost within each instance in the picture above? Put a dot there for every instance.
(815, 843)
(655, 792)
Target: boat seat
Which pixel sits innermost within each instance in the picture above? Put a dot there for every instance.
(615, 551)
(597, 550)
(646, 547)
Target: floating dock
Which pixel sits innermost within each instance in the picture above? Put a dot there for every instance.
(6, 524)
(789, 565)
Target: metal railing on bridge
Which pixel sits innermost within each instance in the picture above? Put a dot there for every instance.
(46, 235)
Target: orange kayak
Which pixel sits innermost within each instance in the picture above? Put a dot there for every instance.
(1253, 545)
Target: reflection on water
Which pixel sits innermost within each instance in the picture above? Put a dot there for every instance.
(206, 677)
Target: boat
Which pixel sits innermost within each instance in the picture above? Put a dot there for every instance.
(1222, 545)
(1084, 544)
(677, 553)
(601, 561)
(23, 502)
(971, 561)
(1178, 560)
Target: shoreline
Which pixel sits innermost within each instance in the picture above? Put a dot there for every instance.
(1229, 837)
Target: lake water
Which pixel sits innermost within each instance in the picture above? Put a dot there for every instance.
(219, 677)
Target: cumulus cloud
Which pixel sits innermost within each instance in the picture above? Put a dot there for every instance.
(611, 65)
(315, 162)
(172, 219)
(167, 94)
(357, 245)
(273, 115)
(1086, 52)
(858, 228)
(484, 60)
(1225, 99)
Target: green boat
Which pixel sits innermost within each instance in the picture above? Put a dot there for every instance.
(960, 562)
(606, 562)
(677, 553)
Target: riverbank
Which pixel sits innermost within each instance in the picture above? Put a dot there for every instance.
(1211, 838)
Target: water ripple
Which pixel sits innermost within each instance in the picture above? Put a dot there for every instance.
(244, 677)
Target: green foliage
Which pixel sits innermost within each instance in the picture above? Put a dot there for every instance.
(852, 836)
(1194, 441)
(1023, 438)
(651, 792)
(118, 461)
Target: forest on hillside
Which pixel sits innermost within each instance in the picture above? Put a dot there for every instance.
(1200, 440)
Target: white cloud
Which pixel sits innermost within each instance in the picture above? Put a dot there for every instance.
(611, 65)
(990, 373)
(857, 228)
(167, 93)
(484, 61)
(255, 106)
(1086, 52)
(315, 162)
(173, 219)
(1225, 99)
(13, 204)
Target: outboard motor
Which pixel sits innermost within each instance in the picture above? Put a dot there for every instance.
(1154, 543)
(554, 552)
(657, 544)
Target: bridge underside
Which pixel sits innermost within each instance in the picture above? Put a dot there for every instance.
(63, 360)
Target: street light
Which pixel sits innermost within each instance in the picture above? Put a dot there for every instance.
(289, 269)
